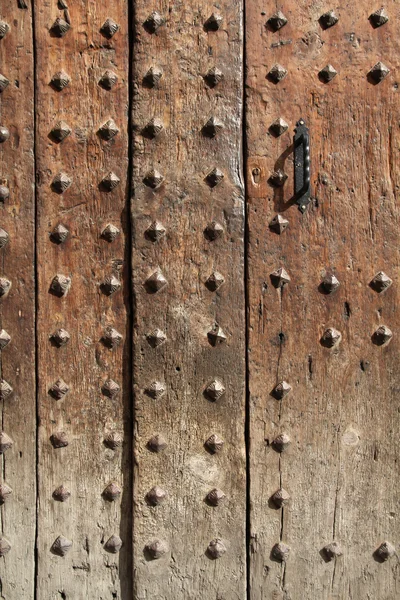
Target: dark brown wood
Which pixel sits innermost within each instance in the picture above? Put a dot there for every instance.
(342, 412)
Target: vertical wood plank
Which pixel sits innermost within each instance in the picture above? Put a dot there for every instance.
(187, 230)
(93, 416)
(17, 308)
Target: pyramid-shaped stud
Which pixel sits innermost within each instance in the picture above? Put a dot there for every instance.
(216, 336)
(216, 548)
(152, 77)
(279, 278)
(61, 546)
(277, 178)
(380, 282)
(60, 80)
(155, 390)
(156, 495)
(330, 284)
(327, 73)
(3, 83)
(153, 22)
(382, 336)
(59, 389)
(153, 179)
(280, 552)
(379, 17)
(215, 281)
(61, 494)
(59, 440)
(109, 28)
(277, 73)
(4, 193)
(214, 390)
(156, 338)
(5, 546)
(109, 130)
(279, 224)
(212, 127)
(60, 28)
(331, 551)
(281, 442)
(215, 497)
(280, 498)
(59, 234)
(110, 388)
(111, 338)
(4, 238)
(110, 285)
(155, 282)
(4, 29)
(112, 492)
(5, 286)
(331, 337)
(61, 183)
(157, 443)
(213, 22)
(156, 549)
(385, 551)
(278, 127)
(281, 390)
(60, 337)
(5, 339)
(113, 440)
(214, 443)
(108, 80)
(213, 77)
(155, 231)
(214, 177)
(113, 545)
(5, 389)
(60, 131)
(60, 285)
(110, 182)
(4, 134)
(213, 231)
(328, 19)
(153, 128)
(379, 72)
(110, 233)
(5, 492)
(5, 442)
(277, 21)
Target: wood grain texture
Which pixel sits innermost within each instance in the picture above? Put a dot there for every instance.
(185, 310)
(17, 309)
(342, 414)
(86, 415)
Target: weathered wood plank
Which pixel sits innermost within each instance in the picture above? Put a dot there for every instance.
(89, 412)
(17, 308)
(342, 413)
(185, 204)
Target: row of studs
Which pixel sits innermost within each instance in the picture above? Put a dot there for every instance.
(327, 20)
(377, 73)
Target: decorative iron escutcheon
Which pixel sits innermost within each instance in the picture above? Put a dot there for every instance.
(301, 142)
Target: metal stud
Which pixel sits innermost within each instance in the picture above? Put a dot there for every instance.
(279, 224)
(156, 549)
(5, 492)
(330, 284)
(277, 21)
(215, 497)
(331, 337)
(216, 548)
(153, 179)
(215, 281)
(60, 285)
(153, 22)
(214, 177)
(381, 282)
(110, 285)
(281, 442)
(109, 28)
(5, 339)
(5, 286)
(213, 231)
(111, 338)
(152, 77)
(156, 495)
(277, 73)
(277, 178)
(4, 29)
(153, 128)
(216, 336)
(214, 443)
(156, 338)
(3, 83)
(278, 127)
(331, 551)
(5, 389)
(108, 80)
(4, 193)
(379, 17)
(110, 182)
(61, 494)
(110, 233)
(61, 546)
(110, 388)
(213, 77)
(279, 278)
(328, 19)
(327, 73)
(281, 390)
(155, 390)
(4, 237)
(5, 442)
(214, 390)
(157, 443)
(59, 234)
(379, 72)
(213, 22)
(155, 231)
(59, 389)
(113, 440)
(280, 552)
(60, 28)
(382, 336)
(59, 439)
(280, 498)
(212, 127)
(112, 492)
(385, 551)
(4, 134)
(113, 545)
(60, 131)
(109, 130)
(60, 337)
(60, 80)
(5, 546)
(60, 183)
(155, 282)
